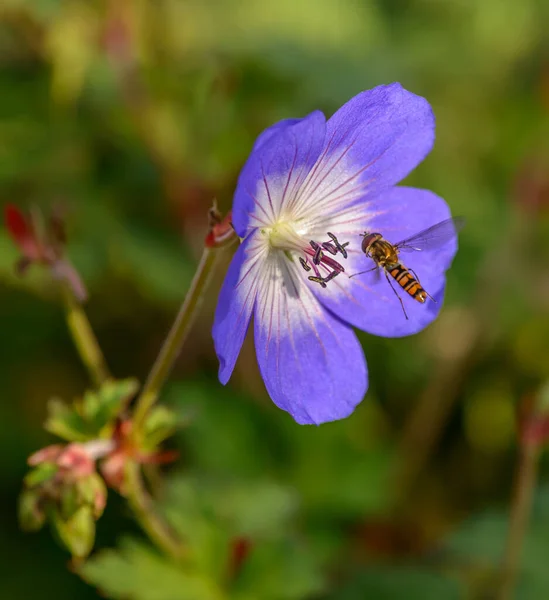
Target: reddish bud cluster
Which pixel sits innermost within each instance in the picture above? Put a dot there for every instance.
(113, 467)
(221, 230)
(42, 245)
(23, 234)
(73, 460)
(73, 471)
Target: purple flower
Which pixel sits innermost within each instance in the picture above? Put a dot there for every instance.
(305, 197)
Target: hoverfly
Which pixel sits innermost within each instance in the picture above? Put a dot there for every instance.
(386, 255)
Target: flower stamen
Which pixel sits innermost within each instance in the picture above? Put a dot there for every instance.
(319, 258)
(304, 264)
(336, 247)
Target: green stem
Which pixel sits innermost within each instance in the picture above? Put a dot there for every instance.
(136, 493)
(176, 337)
(525, 484)
(84, 339)
(138, 497)
(140, 502)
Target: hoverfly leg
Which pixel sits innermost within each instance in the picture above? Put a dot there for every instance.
(362, 272)
(414, 274)
(304, 264)
(417, 279)
(396, 294)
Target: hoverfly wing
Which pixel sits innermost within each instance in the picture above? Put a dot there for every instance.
(432, 237)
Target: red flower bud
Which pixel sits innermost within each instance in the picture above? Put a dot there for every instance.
(21, 232)
(46, 249)
(239, 552)
(76, 460)
(221, 230)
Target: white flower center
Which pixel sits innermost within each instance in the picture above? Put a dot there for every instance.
(315, 257)
(284, 236)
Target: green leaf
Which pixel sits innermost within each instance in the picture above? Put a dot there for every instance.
(76, 533)
(211, 515)
(93, 491)
(40, 474)
(481, 541)
(70, 501)
(160, 425)
(392, 583)
(64, 422)
(224, 428)
(487, 531)
(31, 516)
(347, 477)
(258, 509)
(90, 491)
(283, 570)
(190, 509)
(136, 572)
(249, 509)
(87, 418)
(102, 407)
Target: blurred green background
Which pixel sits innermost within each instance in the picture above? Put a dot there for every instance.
(133, 116)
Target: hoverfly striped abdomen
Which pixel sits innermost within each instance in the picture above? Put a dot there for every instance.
(407, 282)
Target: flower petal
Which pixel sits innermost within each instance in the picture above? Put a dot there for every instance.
(275, 129)
(389, 126)
(312, 363)
(283, 156)
(235, 303)
(372, 142)
(367, 301)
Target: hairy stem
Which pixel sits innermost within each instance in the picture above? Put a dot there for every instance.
(176, 336)
(84, 339)
(525, 484)
(154, 526)
(136, 493)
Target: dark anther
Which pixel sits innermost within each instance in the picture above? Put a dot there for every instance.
(319, 258)
(318, 252)
(324, 280)
(331, 276)
(339, 247)
(318, 280)
(329, 247)
(304, 264)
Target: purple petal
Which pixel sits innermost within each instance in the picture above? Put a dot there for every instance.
(367, 301)
(389, 127)
(282, 158)
(275, 129)
(312, 363)
(372, 142)
(235, 303)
